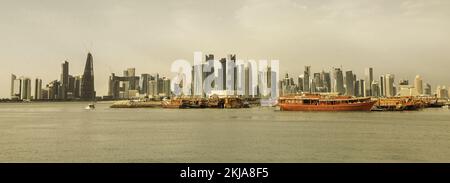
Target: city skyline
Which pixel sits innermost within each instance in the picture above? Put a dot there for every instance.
(407, 38)
(131, 85)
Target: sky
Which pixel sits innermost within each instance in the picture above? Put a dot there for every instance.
(403, 37)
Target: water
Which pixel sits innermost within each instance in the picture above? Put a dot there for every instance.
(66, 132)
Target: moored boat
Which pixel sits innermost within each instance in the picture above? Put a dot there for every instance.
(325, 103)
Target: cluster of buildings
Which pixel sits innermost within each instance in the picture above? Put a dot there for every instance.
(131, 86)
(347, 83)
(68, 87)
(234, 78)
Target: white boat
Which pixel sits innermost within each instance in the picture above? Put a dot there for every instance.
(90, 107)
(446, 107)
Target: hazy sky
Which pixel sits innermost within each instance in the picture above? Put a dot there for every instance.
(404, 37)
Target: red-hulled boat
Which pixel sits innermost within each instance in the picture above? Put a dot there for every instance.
(325, 103)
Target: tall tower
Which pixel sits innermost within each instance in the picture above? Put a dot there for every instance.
(418, 84)
(306, 74)
(87, 82)
(389, 84)
(64, 79)
(13, 78)
(350, 88)
(369, 79)
(38, 89)
(338, 79)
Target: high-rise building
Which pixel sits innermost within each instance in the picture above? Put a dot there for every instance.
(368, 72)
(38, 89)
(77, 86)
(382, 87)
(349, 83)
(338, 81)
(25, 89)
(375, 88)
(16, 88)
(166, 87)
(300, 83)
(326, 81)
(143, 83)
(13, 77)
(389, 84)
(360, 87)
(306, 74)
(418, 84)
(53, 90)
(87, 83)
(64, 80)
(442, 92)
(427, 90)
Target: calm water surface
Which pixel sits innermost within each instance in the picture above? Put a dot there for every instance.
(66, 132)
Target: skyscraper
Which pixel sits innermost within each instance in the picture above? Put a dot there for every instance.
(13, 78)
(325, 77)
(38, 89)
(349, 86)
(25, 89)
(64, 79)
(87, 83)
(418, 84)
(382, 86)
(300, 83)
(389, 84)
(306, 84)
(427, 89)
(368, 72)
(143, 83)
(338, 80)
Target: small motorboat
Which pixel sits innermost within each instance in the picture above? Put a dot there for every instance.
(90, 107)
(446, 107)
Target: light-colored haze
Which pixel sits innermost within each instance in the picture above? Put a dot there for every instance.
(404, 37)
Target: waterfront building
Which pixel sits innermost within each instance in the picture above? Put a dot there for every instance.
(17, 89)
(418, 84)
(306, 82)
(87, 83)
(359, 85)
(442, 92)
(349, 83)
(300, 83)
(375, 88)
(338, 81)
(152, 88)
(64, 80)
(13, 78)
(38, 89)
(427, 90)
(53, 90)
(25, 91)
(166, 87)
(119, 86)
(382, 86)
(390, 89)
(326, 79)
(77, 86)
(143, 83)
(368, 72)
